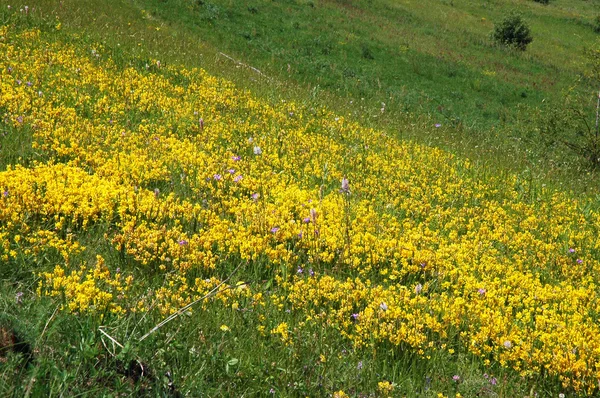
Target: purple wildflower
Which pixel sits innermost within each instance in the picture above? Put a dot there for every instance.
(345, 186)
(354, 317)
(438, 125)
(360, 365)
(182, 242)
(383, 306)
(481, 291)
(507, 344)
(311, 272)
(579, 261)
(306, 220)
(20, 119)
(217, 177)
(272, 391)
(5, 193)
(255, 196)
(275, 229)
(29, 84)
(231, 171)
(236, 158)
(238, 178)
(456, 378)
(571, 250)
(19, 297)
(299, 270)
(494, 381)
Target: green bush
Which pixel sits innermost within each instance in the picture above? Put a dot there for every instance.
(597, 24)
(513, 31)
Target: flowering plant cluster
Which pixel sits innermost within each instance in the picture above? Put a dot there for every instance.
(386, 242)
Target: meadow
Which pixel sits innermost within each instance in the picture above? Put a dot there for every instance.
(166, 232)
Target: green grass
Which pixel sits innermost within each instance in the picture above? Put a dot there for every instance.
(429, 63)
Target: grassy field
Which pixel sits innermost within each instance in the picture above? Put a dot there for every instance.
(429, 65)
(167, 232)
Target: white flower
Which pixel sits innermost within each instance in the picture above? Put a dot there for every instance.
(257, 150)
(418, 288)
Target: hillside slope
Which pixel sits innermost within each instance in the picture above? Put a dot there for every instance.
(321, 255)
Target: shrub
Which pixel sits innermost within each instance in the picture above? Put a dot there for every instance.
(513, 31)
(596, 25)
